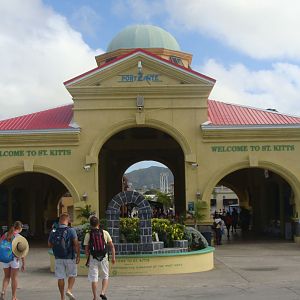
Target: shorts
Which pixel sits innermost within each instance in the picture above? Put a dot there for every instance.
(94, 267)
(65, 268)
(15, 264)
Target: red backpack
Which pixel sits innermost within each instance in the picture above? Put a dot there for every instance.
(97, 244)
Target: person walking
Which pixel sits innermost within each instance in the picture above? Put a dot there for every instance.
(218, 227)
(13, 248)
(64, 243)
(228, 222)
(96, 243)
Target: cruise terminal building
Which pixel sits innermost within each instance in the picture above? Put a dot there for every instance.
(143, 101)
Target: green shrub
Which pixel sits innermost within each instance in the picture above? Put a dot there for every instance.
(167, 231)
(130, 230)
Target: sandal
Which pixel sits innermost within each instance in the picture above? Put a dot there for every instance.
(70, 295)
(103, 297)
(2, 296)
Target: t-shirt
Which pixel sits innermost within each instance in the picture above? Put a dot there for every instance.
(107, 238)
(71, 232)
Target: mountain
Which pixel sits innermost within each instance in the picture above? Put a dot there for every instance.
(149, 177)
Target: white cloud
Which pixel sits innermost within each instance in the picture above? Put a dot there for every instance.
(260, 29)
(38, 52)
(274, 88)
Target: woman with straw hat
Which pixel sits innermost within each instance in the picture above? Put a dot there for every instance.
(20, 248)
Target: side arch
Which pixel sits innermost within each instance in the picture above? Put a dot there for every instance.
(278, 169)
(8, 173)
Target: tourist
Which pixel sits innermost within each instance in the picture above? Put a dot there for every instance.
(235, 220)
(228, 222)
(218, 227)
(96, 251)
(64, 243)
(16, 248)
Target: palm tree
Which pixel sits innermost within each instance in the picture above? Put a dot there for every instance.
(85, 212)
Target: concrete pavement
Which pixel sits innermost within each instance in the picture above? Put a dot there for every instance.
(243, 270)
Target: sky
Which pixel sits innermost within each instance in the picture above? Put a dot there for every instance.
(252, 48)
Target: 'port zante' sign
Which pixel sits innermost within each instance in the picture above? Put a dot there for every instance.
(139, 77)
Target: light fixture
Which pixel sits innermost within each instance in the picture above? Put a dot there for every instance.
(198, 195)
(87, 167)
(194, 165)
(84, 196)
(140, 102)
(266, 173)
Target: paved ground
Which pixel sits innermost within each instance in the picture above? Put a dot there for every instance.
(243, 270)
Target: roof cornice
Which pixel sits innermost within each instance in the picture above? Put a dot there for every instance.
(284, 133)
(134, 53)
(54, 137)
(210, 127)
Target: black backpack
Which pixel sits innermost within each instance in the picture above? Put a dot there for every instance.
(62, 243)
(97, 244)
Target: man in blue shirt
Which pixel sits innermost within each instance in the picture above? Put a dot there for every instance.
(64, 243)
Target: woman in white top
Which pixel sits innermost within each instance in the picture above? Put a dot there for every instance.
(11, 269)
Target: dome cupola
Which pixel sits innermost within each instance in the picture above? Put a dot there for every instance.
(143, 36)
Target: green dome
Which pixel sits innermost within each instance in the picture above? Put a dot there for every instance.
(143, 36)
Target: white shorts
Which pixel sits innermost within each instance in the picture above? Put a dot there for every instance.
(65, 268)
(94, 267)
(15, 264)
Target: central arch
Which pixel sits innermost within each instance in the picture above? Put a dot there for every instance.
(133, 145)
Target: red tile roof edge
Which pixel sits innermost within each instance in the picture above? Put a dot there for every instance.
(234, 115)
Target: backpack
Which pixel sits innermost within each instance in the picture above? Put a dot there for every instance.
(6, 254)
(97, 244)
(62, 243)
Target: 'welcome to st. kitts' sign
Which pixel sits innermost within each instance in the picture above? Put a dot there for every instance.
(34, 152)
(252, 148)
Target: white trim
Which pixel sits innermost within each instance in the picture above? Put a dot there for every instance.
(98, 70)
(44, 131)
(204, 126)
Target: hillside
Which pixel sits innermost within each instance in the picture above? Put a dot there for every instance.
(148, 177)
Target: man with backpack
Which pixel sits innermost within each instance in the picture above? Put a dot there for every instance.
(96, 243)
(64, 243)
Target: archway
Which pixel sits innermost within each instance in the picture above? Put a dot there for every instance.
(266, 201)
(146, 244)
(155, 182)
(33, 199)
(133, 145)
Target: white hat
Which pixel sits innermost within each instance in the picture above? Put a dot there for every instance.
(20, 246)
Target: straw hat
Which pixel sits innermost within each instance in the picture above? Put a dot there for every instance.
(20, 246)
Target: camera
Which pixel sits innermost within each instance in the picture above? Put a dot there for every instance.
(86, 167)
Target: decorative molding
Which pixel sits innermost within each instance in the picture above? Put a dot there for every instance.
(43, 139)
(248, 134)
(140, 118)
(28, 165)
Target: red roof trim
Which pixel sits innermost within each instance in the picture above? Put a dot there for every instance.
(148, 53)
(55, 118)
